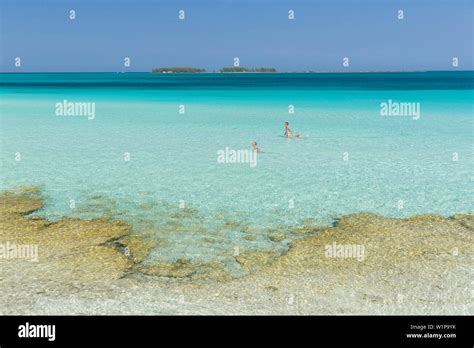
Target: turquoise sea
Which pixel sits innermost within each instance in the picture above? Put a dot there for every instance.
(349, 159)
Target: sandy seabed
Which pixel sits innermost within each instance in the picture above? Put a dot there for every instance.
(419, 265)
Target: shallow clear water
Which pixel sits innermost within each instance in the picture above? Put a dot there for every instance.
(173, 156)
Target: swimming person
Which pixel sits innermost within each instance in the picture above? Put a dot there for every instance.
(255, 147)
(287, 130)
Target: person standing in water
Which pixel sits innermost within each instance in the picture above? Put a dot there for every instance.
(287, 130)
(255, 147)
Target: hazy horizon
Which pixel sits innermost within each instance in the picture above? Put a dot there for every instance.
(219, 72)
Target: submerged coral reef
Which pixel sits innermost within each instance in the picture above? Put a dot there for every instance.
(366, 263)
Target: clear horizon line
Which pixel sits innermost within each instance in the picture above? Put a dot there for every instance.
(232, 72)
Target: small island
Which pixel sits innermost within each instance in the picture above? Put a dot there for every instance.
(234, 69)
(242, 69)
(178, 70)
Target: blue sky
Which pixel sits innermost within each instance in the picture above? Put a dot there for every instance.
(216, 31)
